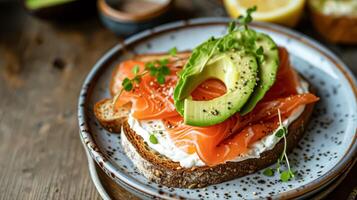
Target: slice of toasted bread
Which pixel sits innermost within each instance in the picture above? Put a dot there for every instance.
(162, 170)
(110, 120)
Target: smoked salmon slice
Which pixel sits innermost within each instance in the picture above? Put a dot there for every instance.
(149, 99)
(221, 142)
(225, 141)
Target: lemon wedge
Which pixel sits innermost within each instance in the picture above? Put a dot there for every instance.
(284, 12)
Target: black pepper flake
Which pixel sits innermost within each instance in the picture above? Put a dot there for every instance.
(215, 112)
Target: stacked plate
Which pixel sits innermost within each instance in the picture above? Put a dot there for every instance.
(322, 158)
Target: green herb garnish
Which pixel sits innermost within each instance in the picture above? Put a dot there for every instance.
(281, 131)
(248, 39)
(268, 172)
(136, 69)
(243, 20)
(231, 26)
(260, 51)
(173, 51)
(287, 174)
(153, 139)
(127, 84)
(158, 69)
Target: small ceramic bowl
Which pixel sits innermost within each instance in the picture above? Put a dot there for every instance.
(125, 17)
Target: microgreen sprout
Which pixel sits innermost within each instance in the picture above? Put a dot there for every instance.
(287, 174)
(243, 20)
(153, 139)
(260, 51)
(173, 51)
(268, 172)
(231, 26)
(157, 69)
(136, 69)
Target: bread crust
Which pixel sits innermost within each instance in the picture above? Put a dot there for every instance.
(166, 172)
(108, 118)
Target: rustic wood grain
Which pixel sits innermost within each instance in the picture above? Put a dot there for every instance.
(42, 69)
(113, 189)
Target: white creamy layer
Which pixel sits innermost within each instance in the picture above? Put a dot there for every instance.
(166, 146)
(333, 7)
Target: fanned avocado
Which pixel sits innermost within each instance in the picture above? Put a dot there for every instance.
(268, 67)
(246, 61)
(201, 55)
(238, 70)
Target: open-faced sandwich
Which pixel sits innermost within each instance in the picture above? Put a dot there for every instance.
(233, 106)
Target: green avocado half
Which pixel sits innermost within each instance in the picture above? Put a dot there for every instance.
(267, 71)
(244, 60)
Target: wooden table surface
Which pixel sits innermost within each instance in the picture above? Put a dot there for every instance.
(42, 67)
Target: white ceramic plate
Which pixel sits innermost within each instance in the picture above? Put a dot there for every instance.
(327, 147)
(327, 189)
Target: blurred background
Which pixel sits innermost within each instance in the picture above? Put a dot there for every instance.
(47, 47)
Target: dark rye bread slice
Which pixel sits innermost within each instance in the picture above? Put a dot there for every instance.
(163, 171)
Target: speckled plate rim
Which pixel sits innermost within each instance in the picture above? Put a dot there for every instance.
(327, 189)
(100, 158)
(94, 176)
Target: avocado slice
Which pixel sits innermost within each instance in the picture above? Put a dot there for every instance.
(238, 70)
(252, 61)
(268, 68)
(198, 59)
